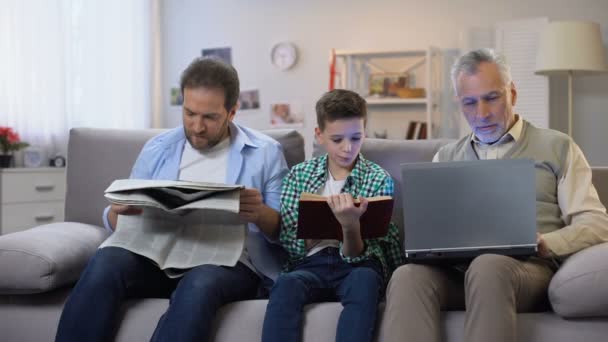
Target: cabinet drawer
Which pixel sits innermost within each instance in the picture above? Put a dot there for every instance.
(32, 187)
(21, 216)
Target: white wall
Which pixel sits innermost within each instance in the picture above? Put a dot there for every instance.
(251, 28)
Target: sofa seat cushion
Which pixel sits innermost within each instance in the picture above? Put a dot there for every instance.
(46, 257)
(579, 288)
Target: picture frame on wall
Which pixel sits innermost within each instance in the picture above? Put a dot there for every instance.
(222, 53)
(249, 99)
(281, 114)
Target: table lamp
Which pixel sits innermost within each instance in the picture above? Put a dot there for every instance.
(569, 48)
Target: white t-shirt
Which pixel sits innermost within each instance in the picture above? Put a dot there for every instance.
(331, 187)
(209, 166)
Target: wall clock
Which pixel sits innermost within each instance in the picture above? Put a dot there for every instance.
(284, 55)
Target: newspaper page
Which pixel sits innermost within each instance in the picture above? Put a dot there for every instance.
(205, 231)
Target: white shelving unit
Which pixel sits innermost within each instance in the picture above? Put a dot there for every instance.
(423, 70)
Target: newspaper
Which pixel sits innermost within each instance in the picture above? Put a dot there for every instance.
(183, 224)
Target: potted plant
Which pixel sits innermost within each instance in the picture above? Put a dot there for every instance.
(9, 143)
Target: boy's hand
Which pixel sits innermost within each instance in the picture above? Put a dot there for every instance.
(346, 212)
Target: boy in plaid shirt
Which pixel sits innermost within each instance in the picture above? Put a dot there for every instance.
(353, 271)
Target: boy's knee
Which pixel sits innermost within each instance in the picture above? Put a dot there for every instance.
(292, 282)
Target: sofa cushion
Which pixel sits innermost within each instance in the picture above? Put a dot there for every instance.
(292, 143)
(46, 257)
(579, 289)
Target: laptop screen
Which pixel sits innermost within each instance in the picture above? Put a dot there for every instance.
(468, 205)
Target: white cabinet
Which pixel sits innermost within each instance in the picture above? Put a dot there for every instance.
(407, 83)
(30, 197)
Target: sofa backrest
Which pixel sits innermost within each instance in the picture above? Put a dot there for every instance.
(96, 157)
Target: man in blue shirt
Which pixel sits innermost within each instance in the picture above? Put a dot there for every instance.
(211, 148)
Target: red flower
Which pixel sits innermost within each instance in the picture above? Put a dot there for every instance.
(10, 141)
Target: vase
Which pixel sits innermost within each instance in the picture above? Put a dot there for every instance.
(6, 160)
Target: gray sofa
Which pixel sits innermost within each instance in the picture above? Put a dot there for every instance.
(38, 266)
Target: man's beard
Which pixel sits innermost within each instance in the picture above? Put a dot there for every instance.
(211, 141)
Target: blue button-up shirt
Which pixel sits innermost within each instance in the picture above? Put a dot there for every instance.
(255, 161)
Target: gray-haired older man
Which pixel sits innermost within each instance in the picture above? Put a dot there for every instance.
(570, 217)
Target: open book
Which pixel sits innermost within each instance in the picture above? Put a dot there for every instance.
(183, 225)
(317, 221)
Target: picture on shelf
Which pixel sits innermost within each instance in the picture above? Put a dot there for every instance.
(249, 99)
(281, 114)
(223, 53)
(387, 84)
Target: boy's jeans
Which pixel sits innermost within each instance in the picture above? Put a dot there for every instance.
(324, 276)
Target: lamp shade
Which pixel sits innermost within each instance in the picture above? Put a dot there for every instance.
(571, 46)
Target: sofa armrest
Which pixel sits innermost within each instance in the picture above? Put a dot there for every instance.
(46, 257)
(579, 289)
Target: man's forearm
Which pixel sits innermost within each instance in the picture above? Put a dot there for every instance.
(112, 219)
(269, 222)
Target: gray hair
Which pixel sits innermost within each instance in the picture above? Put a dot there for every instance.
(469, 62)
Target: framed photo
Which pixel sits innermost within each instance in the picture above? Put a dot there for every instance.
(223, 53)
(34, 156)
(249, 99)
(281, 114)
(387, 84)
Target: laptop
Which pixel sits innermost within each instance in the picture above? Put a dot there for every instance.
(455, 211)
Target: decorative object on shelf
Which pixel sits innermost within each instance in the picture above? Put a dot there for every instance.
(382, 135)
(284, 55)
(57, 161)
(568, 48)
(416, 130)
(332, 70)
(34, 156)
(410, 93)
(404, 81)
(9, 143)
(387, 84)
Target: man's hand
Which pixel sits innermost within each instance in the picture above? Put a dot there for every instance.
(252, 209)
(251, 205)
(543, 250)
(346, 212)
(119, 209)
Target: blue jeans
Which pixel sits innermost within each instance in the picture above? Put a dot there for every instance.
(113, 275)
(324, 276)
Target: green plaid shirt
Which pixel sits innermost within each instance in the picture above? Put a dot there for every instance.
(367, 179)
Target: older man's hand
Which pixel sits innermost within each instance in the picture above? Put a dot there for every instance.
(543, 250)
